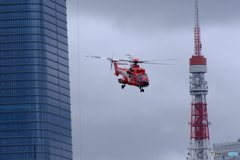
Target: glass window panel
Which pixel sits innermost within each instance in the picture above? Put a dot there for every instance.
(63, 54)
(28, 53)
(31, 68)
(64, 91)
(62, 31)
(61, 2)
(62, 38)
(23, 84)
(63, 46)
(35, 116)
(63, 76)
(61, 23)
(28, 38)
(64, 83)
(65, 114)
(49, 10)
(66, 139)
(31, 91)
(50, 4)
(65, 106)
(29, 45)
(63, 61)
(67, 154)
(61, 17)
(29, 61)
(32, 107)
(27, 15)
(25, 23)
(28, 30)
(61, 9)
(64, 98)
(64, 69)
(30, 76)
(21, 7)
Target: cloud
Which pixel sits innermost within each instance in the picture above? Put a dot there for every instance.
(126, 124)
(159, 15)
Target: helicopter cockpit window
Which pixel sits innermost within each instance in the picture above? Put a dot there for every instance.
(140, 77)
(143, 76)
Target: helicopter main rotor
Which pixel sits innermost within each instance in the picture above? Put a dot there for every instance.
(133, 61)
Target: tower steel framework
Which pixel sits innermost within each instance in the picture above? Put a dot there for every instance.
(199, 125)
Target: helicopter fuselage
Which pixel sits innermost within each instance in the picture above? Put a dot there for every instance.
(134, 76)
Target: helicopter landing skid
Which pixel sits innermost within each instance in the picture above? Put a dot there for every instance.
(141, 89)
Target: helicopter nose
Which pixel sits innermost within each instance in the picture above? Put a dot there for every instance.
(146, 83)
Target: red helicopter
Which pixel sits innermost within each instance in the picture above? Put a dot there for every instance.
(134, 75)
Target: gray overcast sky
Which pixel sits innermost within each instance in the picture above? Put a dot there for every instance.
(114, 124)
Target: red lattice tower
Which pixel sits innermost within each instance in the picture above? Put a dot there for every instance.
(199, 131)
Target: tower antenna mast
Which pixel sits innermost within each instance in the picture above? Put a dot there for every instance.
(197, 34)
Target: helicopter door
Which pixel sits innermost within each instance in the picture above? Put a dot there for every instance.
(131, 78)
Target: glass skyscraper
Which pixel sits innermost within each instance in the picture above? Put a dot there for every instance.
(35, 121)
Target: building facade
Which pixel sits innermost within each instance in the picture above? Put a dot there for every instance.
(228, 150)
(35, 120)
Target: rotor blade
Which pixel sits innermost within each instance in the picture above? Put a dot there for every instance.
(158, 60)
(126, 60)
(97, 57)
(126, 63)
(110, 59)
(129, 56)
(158, 63)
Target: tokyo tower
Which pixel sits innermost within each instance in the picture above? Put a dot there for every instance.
(199, 130)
